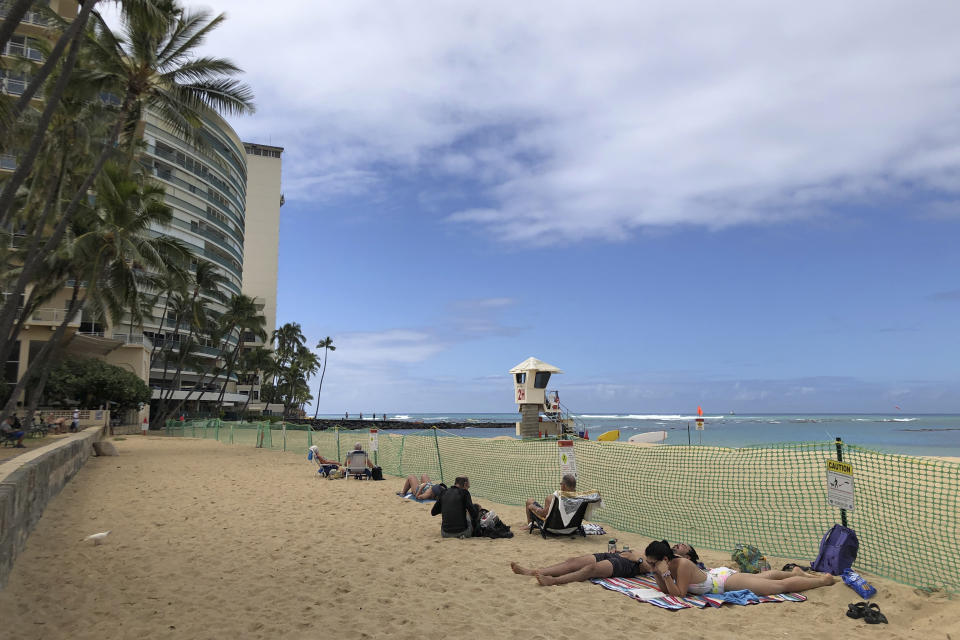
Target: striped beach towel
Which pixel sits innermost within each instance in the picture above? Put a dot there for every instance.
(639, 588)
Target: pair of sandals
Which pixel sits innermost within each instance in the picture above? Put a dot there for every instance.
(869, 612)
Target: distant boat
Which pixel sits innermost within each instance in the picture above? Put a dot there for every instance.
(609, 436)
(732, 413)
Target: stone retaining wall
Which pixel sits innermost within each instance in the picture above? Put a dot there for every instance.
(27, 484)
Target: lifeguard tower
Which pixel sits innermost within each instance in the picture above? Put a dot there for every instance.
(540, 411)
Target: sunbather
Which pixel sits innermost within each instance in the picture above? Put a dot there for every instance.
(422, 488)
(678, 576)
(683, 550)
(621, 564)
(326, 465)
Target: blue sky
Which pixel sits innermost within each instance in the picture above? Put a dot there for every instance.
(746, 206)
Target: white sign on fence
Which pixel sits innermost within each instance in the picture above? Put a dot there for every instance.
(373, 439)
(568, 463)
(840, 484)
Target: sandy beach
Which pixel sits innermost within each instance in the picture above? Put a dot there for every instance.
(216, 541)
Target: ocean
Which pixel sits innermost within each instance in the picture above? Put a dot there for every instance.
(912, 434)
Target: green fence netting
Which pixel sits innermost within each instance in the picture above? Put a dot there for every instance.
(774, 496)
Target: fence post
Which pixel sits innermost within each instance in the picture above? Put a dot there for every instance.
(283, 430)
(436, 441)
(231, 433)
(400, 456)
(309, 436)
(843, 512)
(337, 428)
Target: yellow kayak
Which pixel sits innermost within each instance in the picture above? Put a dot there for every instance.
(609, 436)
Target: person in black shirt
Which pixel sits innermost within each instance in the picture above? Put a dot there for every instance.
(457, 510)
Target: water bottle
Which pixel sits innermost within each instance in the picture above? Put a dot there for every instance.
(626, 548)
(612, 546)
(856, 582)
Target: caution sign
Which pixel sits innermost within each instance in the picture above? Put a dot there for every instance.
(699, 424)
(568, 463)
(373, 439)
(840, 484)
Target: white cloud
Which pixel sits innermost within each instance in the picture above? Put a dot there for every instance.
(581, 122)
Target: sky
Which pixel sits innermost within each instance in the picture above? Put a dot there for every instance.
(747, 206)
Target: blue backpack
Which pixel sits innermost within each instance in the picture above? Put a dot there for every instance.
(838, 550)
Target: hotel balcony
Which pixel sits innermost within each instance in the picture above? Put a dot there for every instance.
(52, 318)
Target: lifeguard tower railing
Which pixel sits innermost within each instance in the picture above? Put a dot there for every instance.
(556, 411)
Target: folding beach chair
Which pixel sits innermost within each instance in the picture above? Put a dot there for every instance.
(323, 469)
(357, 465)
(566, 514)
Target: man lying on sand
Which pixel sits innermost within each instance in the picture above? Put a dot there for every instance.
(620, 564)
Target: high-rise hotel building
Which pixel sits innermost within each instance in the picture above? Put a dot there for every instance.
(226, 198)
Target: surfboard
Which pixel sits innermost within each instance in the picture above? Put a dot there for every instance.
(649, 436)
(609, 436)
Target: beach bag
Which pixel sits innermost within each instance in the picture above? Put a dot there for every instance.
(377, 473)
(838, 550)
(491, 526)
(749, 559)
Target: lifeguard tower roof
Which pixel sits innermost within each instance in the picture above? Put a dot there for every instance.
(532, 364)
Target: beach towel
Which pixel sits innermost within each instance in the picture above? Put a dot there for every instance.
(409, 496)
(644, 589)
(568, 504)
(591, 529)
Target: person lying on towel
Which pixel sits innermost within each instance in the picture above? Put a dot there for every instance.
(679, 576)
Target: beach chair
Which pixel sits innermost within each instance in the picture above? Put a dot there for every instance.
(566, 514)
(357, 465)
(323, 469)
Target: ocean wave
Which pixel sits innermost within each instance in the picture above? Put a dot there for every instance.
(634, 416)
(399, 417)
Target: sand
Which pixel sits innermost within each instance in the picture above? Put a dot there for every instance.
(217, 541)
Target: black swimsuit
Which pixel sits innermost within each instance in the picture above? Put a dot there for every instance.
(622, 567)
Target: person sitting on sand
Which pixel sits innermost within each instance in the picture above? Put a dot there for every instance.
(620, 564)
(458, 511)
(679, 576)
(422, 489)
(540, 511)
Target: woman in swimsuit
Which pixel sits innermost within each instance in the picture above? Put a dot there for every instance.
(421, 489)
(622, 564)
(678, 576)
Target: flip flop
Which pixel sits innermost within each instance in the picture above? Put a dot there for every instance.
(857, 610)
(872, 614)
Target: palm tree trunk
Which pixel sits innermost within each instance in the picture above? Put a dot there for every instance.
(72, 33)
(323, 372)
(12, 21)
(32, 262)
(75, 305)
(25, 164)
(230, 367)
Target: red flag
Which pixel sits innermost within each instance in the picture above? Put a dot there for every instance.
(699, 411)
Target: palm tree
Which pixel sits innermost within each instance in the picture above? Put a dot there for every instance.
(294, 379)
(327, 345)
(288, 338)
(243, 316)
(111, 245)
(257, 360)
(154, 65)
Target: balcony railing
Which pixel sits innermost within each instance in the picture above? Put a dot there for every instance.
(54, 316)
